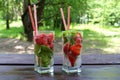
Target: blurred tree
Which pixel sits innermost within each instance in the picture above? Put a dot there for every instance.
(48, 13)
(52, 16)
(104, 11)
(10, 10)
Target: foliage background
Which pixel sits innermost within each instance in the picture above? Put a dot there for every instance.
(98, 19)
(97, 11)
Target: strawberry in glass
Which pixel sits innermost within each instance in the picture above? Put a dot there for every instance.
(43, 49)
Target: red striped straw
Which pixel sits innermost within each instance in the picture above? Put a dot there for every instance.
(63, 18)
(68, 17)
(31, 17)
(35, 18)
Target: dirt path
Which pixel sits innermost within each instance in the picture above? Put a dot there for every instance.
(8, 45)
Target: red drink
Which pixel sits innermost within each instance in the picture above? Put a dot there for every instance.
(72, 44)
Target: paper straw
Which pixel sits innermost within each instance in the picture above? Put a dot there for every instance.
(31, 17)
(63, 18)
(68, 17)
(35, 18)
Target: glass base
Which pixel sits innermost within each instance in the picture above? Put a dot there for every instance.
(69, 69)
(44, 69)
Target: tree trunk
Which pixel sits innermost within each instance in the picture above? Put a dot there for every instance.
(58, 23)
(26, 21)
(26, 18)
(40, 9)
(7, 16)
(7, 24)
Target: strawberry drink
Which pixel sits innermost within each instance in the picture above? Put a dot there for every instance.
(72, 44)
(43, 49)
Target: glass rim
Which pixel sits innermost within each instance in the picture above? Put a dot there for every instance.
(45, 31)
(70, 30)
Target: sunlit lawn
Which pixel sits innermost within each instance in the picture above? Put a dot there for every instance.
(15, 30)
(105, 39)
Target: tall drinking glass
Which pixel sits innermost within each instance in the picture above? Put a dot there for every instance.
(72, 44)
(43, 50)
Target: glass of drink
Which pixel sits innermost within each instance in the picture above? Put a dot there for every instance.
(43, 50)
(72, 45)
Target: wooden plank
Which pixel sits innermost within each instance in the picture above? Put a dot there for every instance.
(16, 59)
(88, 73)
(87, 59)
(101, 59)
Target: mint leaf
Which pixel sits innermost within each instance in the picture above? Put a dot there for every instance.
(37, 49)
(46, 51)
(69, 36)
(45, 55)
(45, 61)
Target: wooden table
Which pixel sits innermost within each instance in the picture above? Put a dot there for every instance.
(94, 67)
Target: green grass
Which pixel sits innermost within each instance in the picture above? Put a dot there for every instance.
(16, 28)
(104, 38)
(14, 32)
